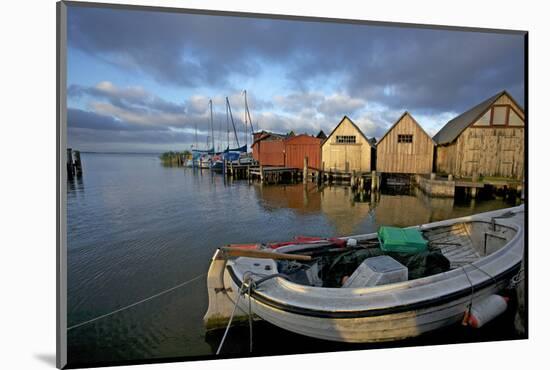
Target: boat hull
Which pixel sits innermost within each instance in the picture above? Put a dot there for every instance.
(360, 315)
(363, 327)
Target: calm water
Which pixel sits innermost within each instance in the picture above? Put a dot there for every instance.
(136, 228)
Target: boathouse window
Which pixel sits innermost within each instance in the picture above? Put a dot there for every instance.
(345, 139)
(504, 115)
(500, 115)
(404, 138)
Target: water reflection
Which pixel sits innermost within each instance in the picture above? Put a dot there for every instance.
(136, 227)
(75, 184)
(351, 212)
(302, 198)
(344, 212)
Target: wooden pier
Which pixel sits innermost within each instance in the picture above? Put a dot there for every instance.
(438, 186)
(278, 174)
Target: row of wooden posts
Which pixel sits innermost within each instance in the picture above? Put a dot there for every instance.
(74, 164)
(275, 175)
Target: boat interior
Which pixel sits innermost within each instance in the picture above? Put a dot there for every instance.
(448, 247)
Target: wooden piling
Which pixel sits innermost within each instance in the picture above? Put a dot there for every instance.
(321, 174)
(306, 164)
(77, 163)
(373, 181)
(70, 169)
(261, 174)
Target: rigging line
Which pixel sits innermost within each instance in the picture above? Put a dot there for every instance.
(232, 121)
(136, 303)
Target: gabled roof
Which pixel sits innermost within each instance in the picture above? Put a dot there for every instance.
(321, 135)
(266, 135)
(300, 136)
(454, 127)
(406, 113)
(354, 125)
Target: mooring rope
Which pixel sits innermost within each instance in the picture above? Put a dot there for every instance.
(485, 272)
(252, 284)
(240, 292)
(469, 312)
(250, 313)
(136, 303)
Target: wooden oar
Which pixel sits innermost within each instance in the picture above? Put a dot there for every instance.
(238, 252)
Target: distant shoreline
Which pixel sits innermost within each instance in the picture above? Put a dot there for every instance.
(90, 152)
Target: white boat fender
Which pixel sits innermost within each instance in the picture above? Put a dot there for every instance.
(486, 310)
(351, 242)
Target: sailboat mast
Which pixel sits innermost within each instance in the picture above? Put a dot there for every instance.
(227, 124)
(249, 117)
(247, 113)
(245, 123)
(212, 125)
(196, 137)
(232, 122)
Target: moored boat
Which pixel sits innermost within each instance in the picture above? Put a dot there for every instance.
(355, 289)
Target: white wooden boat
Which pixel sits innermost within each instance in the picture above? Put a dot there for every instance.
(485, 251)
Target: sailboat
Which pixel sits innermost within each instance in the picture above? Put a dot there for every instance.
(229, 154)
(203, 158)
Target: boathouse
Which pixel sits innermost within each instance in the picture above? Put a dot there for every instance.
(346, 149)
(487, 140)
(405, 148)
(298, 147)
(268, 148)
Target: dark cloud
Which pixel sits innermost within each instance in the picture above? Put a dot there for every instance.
(417, 68)
(427, 72)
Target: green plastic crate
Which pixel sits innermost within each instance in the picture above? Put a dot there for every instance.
(395, 239)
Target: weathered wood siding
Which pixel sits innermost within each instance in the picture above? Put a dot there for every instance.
(301, 146)
(414, 158)
(336, 155)
(485, 149)
(490, 152)
(446, 158)
(269, 152)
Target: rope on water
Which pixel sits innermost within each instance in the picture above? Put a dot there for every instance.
(136, 303)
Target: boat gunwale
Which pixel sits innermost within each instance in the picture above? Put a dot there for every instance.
(420, 304)
(508, 249)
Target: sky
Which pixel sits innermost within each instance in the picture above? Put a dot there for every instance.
(141, 81)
